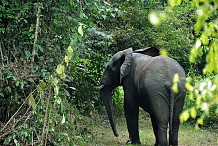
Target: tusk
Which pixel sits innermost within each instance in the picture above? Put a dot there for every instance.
(101, 86)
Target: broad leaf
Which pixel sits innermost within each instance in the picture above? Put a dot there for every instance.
(32, 102)
(80, 30)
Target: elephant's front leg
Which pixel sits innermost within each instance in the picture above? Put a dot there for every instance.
(131, 113)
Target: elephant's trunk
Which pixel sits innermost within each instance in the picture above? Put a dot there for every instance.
(106, 96)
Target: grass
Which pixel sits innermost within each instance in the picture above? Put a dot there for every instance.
(101, 134)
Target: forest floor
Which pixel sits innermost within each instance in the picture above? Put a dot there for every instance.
(101, 134)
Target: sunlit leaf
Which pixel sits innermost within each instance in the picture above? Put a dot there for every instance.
(80, 29)
(58, 100)
(16, 142)
(176, 78)
(173, 3)
(184, 116)
(204, 106)
(200, 12)
(198, 43)
(70, 50)
(188, 86)
(154, 19)
(202, 85)
(32, 102)
(200, 121)
(175, 83)
(91, 113)
(193, 113)
(66, 59)
(54, 81)
(63, 119)
(60, 69)
(198, 26)
(193, 55)
(163, 52)
(56, 90)
(42, 85)
(41, 94)
(205, 39)
(175, 88)
(63, 76)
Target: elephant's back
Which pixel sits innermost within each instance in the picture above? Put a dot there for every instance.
(159, 71)
(163, 67)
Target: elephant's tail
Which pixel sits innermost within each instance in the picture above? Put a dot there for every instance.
(171, 107)
(172, 94)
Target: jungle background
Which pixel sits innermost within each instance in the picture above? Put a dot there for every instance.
(53, 53)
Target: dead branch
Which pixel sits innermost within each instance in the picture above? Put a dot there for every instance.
(1, 54)
(36, 31)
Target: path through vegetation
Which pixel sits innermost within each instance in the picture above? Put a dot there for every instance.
(188, 136)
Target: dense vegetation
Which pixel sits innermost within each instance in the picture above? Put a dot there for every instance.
(53, 54)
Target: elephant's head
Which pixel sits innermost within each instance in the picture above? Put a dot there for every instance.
(117, 68)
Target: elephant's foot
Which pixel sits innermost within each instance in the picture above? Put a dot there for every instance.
(173, 144)
(130, 141)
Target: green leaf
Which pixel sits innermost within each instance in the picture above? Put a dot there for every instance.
(60, 69)
(193, 113)
(173, 3)
(69, 54)
(111, 10)
(17, 83)
(54, 80)
(163, 52)
(175, 83)
(154, 19)
(42, 85)
(9, 74)
(21, 85)
(1, 94)
(56, 90)
(63, 76)
(70, 50)
(198, 26)
(200, 121)
(184, 116)
(189, 87)
(66, 59)
(16, 142)
(176, 78)
(32, 102)
(63, 119)
(58, 100)
(80, 29)
(204, 39)
(175, 88)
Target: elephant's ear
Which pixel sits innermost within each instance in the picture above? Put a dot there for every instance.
(126, 66)
(151, 51)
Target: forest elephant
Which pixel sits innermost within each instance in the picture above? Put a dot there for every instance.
(147, 80)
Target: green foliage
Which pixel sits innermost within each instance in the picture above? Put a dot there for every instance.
(204, 92)
(45, 80)
(118, 100)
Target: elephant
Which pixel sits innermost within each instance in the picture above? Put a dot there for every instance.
(147, 80)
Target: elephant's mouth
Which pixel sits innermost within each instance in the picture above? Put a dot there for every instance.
(101, 86)
(111, 86)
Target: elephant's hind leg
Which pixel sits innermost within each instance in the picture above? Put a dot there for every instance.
(160, 131)
(173, 139)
